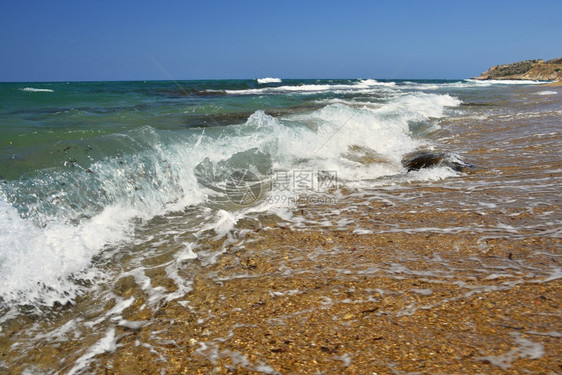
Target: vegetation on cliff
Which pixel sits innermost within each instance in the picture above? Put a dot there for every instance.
(529, 69)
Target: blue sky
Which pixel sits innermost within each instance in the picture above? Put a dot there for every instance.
(117, 40)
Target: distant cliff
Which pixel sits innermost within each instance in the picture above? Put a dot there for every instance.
(530, 69)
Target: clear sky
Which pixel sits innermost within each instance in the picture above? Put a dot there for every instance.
(77, 40)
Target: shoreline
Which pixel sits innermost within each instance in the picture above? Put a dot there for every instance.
(553, 84)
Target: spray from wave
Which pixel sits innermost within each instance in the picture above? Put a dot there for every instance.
(268, 80)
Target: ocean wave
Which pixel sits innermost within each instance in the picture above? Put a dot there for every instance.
(438, 86)
(466, 83)
(374, 82)
(33, 89)
(347, 133)
(364, 86)
(283, 89)
(488, 82)
(37, 263)
(268, 80)
(53, 224)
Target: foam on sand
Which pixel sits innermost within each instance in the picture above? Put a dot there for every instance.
(547, 92)
(106, 344)
(505, 82)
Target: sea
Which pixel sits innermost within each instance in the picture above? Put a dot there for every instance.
(100, 181)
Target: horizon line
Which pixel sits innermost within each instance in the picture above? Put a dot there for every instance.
(236, 79)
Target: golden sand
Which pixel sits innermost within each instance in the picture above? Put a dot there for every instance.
(332, 301)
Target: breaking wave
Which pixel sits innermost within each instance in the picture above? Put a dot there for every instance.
(54, 222)
(269, 80)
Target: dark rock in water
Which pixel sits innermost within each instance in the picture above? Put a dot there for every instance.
(425, 159)
(417, 161)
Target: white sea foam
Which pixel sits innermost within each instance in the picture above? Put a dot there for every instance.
(468, 83)
(286, 89)
(446, 85)
(487, 82)
(546, 92)
(42, 253)
(186, 254)
(336, 129)
(374, 82)
(524, 349)
(224, 223)
(362, 231)
(35, 262)
(33, 89)
(269, 80)
(345, 358)
(361, 86)
(106, 344)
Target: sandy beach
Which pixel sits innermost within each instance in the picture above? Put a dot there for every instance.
(374, 303)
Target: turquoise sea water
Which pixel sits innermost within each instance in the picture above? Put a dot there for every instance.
(45, 125)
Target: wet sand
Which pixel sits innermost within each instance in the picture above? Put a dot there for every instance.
(317, 301)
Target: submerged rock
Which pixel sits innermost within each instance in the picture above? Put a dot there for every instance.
(426, 159)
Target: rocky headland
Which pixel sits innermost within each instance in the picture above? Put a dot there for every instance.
(526, 70)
